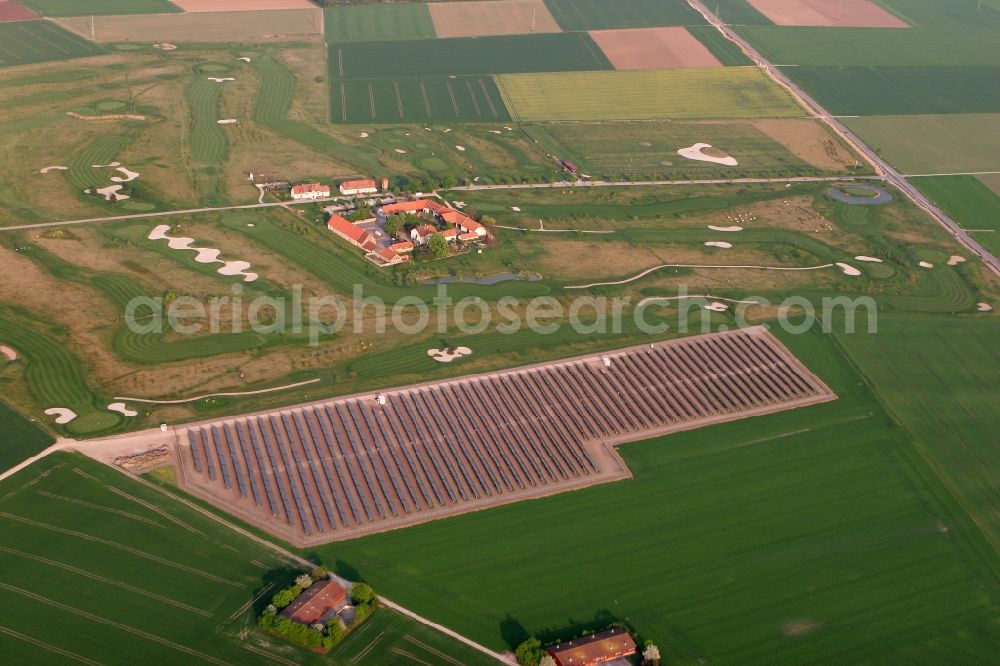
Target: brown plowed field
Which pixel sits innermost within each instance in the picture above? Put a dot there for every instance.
(828, 13)
(11, 11)
(491, 17)
(346, 467)
(241, 5)
(653, 48)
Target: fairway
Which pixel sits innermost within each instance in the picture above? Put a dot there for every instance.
(200, 26)
(464, 98)
(946, 143)
(720, 92)
(99, 7)
(599, 14)
(901, 90)
(555, 52)
(26, 42)
(809, 524)
(378, 22)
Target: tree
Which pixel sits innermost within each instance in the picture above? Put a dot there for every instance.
(286, 596)
(304, 581)
(320, 572)
(393, 225)
(651, 655)
(335, 629)
(438, 245)
(530, 652)
(362, 594)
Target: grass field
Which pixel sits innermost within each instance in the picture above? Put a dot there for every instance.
(649, 150)
(945, 396)
(901, 90)
(969, 202)
(785, 539)
(946, 143)
(724, 50)
(597, 15)
(957, 15)
(200, 26)
(105, 569)
(25, 42)
(208, 138)
(554, 52)
(739, 12)
(438, 99)
(374, 23)
(913, 47)
(717, 92)
(99, 7)
(21, 438)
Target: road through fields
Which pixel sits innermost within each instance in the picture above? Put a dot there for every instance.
(891, 175)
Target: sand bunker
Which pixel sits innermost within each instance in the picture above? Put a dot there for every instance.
(462, 148)
(53, 168)
(222, 79)
(715, 228)
(165, 46)
(873, 260)
(717, 307)
(364, 135)
(704, 152)
(244, 59)
(515, 209)
(847, 269)
(122, 409)
(227, 121)
(722, 244)
(205, 255)
(107, 116)
(127, 176)
(111, 193)
(400, 151)
(984, 307)
(509, 129)
(955, 260)
(63, 415)
(448, 355)
(8, 353)
(495, 132)
(926, 264)
(107, 166)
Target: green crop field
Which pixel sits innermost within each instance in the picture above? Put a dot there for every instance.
(555, 52)
(901, 90)
(715, 92)
(724, 50)
(21, 438)
(649, 150)
(946, 143)
(940, 378)
(790, 538)
(952, 15)
(913, 47)
(967, 201)
(598, 14)
(99, 7)
(439, 99)
(738, 12)
(373, 23)
(25, 42)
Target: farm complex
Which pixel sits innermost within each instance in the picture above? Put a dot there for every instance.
(520, 332)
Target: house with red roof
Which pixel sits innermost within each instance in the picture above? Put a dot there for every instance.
(351, 233)
(354, 187)
(316, 602)
(310, 191)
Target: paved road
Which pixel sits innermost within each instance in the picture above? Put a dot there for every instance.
(881, 167)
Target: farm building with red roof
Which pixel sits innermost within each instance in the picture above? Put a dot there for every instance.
(351, 233)
(310, 191)
(594, 649)
(363, 186)
(316, 602)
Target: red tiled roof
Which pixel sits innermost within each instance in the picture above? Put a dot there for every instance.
(426, 230)
(472, 235)
(593, 649)
(449, 233)
(358, 184)
(389, 255)
(306, 188)
(404, 207)
(345, 228)
(319, 599)
(402, 246)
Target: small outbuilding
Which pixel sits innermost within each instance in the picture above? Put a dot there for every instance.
(594, 649)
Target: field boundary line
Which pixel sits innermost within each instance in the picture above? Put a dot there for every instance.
(155, 509)
(120, 546)
(107, 581)
(410, 656)
(432, 650)
(92, 505)
(118, 625)
(250, 603)
(269, 655)
(52, 648)
(368, 648)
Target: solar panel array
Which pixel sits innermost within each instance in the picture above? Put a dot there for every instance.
(348, 465)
